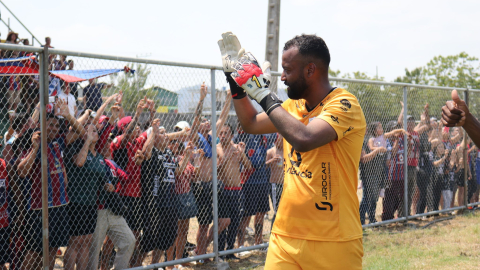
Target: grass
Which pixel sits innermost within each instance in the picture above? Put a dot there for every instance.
(444, 245)
(447, 244)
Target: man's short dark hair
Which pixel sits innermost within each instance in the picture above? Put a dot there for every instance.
(310, 46)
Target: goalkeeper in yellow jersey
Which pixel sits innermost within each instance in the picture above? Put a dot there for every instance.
(317, 224)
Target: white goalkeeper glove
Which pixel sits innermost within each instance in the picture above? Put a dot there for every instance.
(251, 78)
(230, 48)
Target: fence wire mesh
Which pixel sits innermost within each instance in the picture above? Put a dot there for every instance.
(130, 153)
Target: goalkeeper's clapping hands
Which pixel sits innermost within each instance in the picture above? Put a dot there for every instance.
(248, 77)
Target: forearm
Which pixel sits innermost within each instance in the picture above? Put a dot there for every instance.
(198, 114)
(101, 110)
(368, 157)
(83, 119)
(247, 164)
(472, 127)
(400, 118)
(299, 135)
(392, 133)
(251, 121)
(77, 127)
(36, 114)
(224, 114)
(25, 165)
(183, 164)
(148, 147)
(81, 157)
(122, 113)
(177, 135)
(150, 118)
(129, 130)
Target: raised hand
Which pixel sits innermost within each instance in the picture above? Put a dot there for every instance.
(454, 112)
(111, 98)
(142, 104)
(156, 126)
(241, 147)
(61, 108)
(109, 187)
(115, 110)
(151, 105)
(36, 140)
(249, 76)
(230, 49)
(203, 91)
(139, 157)
(190, 147)
(119, 97)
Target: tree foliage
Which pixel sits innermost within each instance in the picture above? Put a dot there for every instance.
(132, 86)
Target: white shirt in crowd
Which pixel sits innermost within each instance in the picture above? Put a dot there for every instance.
(70, 99)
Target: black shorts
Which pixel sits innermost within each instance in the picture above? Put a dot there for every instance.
(460, 178)
(83, 219)
(5, 251)
(134, 215)
(231, 204)
(160, 229)
(186, 206)
(58, 228)
(204, 198)
(256, 198)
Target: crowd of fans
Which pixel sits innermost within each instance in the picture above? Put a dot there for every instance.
(114, 181)
(434, 163)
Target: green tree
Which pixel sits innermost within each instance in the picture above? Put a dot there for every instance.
(415, 76)
(459, 70)
(132, 86)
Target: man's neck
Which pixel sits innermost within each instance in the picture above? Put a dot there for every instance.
(317, 94)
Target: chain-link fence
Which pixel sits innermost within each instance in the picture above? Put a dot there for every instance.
(138, 162)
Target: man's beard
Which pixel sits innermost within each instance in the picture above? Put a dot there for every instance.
(296, 89)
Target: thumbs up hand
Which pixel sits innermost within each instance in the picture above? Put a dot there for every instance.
(455, 111)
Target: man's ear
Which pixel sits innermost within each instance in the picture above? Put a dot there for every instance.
(310, 69)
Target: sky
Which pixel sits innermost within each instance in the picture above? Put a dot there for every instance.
(361, 35)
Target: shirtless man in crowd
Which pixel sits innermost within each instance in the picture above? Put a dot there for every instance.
(231, 159)
(202, 188)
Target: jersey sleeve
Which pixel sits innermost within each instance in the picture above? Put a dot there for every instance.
(286, 104)
(344, 114)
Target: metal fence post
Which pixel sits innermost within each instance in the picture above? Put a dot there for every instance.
(43, 125)
(213, 93)
(405, 155)
(465, 160)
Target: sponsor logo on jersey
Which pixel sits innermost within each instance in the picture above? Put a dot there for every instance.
(335, 119)
(346, 105)
(348, 130)
(324, 208)
(295, 162)
(326, 187)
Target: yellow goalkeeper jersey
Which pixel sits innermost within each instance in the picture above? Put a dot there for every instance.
(319, 200)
